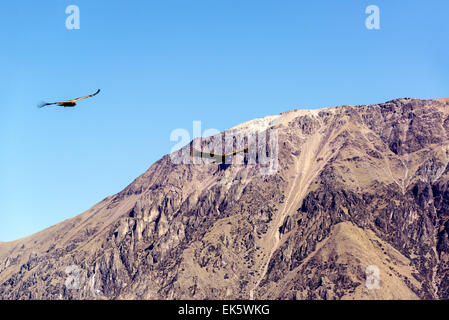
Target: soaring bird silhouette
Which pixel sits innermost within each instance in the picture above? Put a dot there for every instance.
(220, 158)
(68, 103)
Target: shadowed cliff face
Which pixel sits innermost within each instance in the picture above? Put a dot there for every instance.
(357, 189)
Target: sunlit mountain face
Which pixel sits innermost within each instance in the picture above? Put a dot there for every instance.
(350, 202)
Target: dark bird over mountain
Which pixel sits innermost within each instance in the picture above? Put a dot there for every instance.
(217, 157)
(68, 103)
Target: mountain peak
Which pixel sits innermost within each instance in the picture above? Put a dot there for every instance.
(356, 208)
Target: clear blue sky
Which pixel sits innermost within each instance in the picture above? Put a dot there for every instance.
(163, 64)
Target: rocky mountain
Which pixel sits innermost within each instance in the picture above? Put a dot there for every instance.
(354, 205)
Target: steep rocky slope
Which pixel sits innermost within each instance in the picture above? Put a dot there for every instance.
(355, 189)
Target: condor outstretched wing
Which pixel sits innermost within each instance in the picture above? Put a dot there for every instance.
(43, 104)
(232, 154)
(91, 95)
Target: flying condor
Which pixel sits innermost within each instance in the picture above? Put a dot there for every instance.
(68, 103)
(220, 158)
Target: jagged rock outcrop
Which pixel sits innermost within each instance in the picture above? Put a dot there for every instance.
(358, 193)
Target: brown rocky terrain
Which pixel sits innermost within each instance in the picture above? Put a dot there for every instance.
(356, 189)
